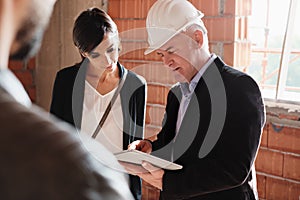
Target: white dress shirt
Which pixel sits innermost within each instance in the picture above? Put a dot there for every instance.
(187, 90)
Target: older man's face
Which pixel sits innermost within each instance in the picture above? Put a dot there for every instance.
(178, 55)
(31, 30)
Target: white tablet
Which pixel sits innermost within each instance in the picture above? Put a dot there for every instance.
(136, 157)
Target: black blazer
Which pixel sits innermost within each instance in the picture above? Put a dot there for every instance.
(67, 104)
(218, 139)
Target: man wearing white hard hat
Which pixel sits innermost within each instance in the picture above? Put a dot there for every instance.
(214, 115)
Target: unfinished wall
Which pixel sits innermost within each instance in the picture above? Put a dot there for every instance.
(278, 160)
(226, 21)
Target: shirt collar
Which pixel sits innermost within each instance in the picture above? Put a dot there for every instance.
(188, 88)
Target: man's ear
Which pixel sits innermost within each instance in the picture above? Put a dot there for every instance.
(198, 37)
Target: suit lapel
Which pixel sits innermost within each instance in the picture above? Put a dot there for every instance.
(197, 118)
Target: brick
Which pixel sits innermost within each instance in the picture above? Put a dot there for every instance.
(280, 189)
(155, 115)
(130, 64)
(243, 8)
(284, 138)
(135, 51)
(208, 7)
(237, 54)
(25, 77)
(128, 24)
(277, 189)
(230, 7)
(291, 167)
(155, 73)
(269, 162)
(146, 6)
(148, 118)
(128, 48)
(31, 64)
(241, 28)
(242, 53)
(157, 94)
(264, 137)
(221, 28)
(290, 116)
(261, 186)
(246, 36)
(247, 60)
(32, 93)
(217, 48)
(294, 191)
(16, 65)
(130, 9)
(136, 55)
(114, 8)
(238, 8)
(132, 33)
(229, 53)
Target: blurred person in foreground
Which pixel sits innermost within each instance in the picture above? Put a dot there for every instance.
(214, 115)
(82, 93)
(41, 157)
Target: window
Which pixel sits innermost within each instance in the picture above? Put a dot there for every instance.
(275, 50)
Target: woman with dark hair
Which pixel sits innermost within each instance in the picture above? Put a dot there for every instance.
(98, 95)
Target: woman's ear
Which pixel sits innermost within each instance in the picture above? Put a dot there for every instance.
(198, 37)
(84, 54)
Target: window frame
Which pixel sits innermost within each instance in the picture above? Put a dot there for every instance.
(285, 53)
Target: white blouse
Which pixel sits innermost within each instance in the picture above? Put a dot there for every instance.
(94, 106)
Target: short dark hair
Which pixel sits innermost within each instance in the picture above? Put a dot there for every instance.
(90, 28)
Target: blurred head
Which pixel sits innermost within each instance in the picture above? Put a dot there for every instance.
(32, 17)
(96, 37)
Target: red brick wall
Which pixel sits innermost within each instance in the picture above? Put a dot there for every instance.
(25, 71)
(278, 160)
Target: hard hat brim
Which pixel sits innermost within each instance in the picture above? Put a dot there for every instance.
(170, 35)
(163, 41)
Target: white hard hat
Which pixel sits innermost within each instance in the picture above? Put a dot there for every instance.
(166, 18)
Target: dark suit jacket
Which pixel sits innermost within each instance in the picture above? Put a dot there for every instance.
(67, 104)
(218, 139)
